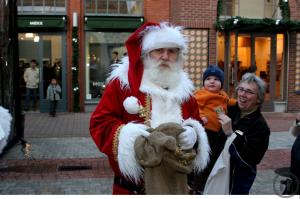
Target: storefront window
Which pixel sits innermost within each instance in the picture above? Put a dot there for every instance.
(103, 50)
(114, 7)
(252, 9)
(42, 6)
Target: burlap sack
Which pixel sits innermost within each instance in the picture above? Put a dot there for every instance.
(166, 166)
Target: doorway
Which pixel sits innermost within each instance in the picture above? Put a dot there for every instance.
(262, 54)
(48, 50)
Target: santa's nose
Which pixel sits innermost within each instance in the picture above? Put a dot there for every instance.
(165, 55)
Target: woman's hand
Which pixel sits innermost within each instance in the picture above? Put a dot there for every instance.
(226, 123)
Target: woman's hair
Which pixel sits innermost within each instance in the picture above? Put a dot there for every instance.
(252, 78)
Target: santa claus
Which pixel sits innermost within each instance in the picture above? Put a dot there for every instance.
(147, 89)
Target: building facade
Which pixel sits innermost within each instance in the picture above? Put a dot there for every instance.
(77, 42)
(9, 76)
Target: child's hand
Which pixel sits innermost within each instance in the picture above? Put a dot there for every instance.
(204, 120)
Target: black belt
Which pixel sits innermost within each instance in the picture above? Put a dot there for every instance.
(128, 185)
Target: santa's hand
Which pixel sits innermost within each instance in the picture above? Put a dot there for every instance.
(126, 156)
(225, 123)
(134, 129)
(188, 138)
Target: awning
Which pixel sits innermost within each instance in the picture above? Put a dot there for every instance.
(113, 23)
(41, 21)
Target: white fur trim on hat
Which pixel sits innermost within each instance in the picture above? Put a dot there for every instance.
(203, 150)
(131, 105)
(163, 36)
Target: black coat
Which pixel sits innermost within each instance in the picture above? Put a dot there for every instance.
(248, 150)
(295, 164)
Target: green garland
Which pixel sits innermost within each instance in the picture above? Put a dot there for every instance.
(219, 8)
(285, 9)
(75, 84)
(236, 22)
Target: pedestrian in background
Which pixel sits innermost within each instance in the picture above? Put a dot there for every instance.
(53, 95)
(113, 62)
(114, 57)
(295, 157)
(211, 99)
(32, 78)
(252, 133)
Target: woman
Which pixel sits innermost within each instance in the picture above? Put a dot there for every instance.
(252, 140)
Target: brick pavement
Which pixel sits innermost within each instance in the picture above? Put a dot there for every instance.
(65, 141)
(49, 169)
(40, 125)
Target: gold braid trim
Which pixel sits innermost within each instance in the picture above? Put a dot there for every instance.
(116, 142)
(145, 112)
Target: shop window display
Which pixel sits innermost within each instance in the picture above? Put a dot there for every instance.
(101, 47)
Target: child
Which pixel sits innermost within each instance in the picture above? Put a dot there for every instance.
(212, 99)
(53, 91)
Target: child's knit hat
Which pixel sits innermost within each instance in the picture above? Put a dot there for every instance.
(215, 71)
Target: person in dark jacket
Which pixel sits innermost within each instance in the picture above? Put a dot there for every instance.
(295, 157)
(245, 119)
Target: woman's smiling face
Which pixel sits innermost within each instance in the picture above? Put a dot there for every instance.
(247, 96)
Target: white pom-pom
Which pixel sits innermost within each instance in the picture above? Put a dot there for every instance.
(131, 105)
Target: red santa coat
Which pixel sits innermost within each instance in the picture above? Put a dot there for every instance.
(110, 116)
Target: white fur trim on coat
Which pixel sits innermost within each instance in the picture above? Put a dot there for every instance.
(5, 119)
(203, 150)
(128, 164)
(180, 93)
(120, 72)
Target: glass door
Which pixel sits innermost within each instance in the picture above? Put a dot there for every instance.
(264, 60)
(48, 50)
(262, 54)
(53, 67)
(269, 62)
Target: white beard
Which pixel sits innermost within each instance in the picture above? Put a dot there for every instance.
(165, 77)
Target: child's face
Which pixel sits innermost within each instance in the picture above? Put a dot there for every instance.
(212, 84)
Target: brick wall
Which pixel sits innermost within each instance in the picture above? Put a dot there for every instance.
(157, 10)
(293, 99)
(197, 14)
(194, 14)
(75, 6)
(294, 6)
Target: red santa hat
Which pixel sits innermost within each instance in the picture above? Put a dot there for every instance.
(148, 37)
